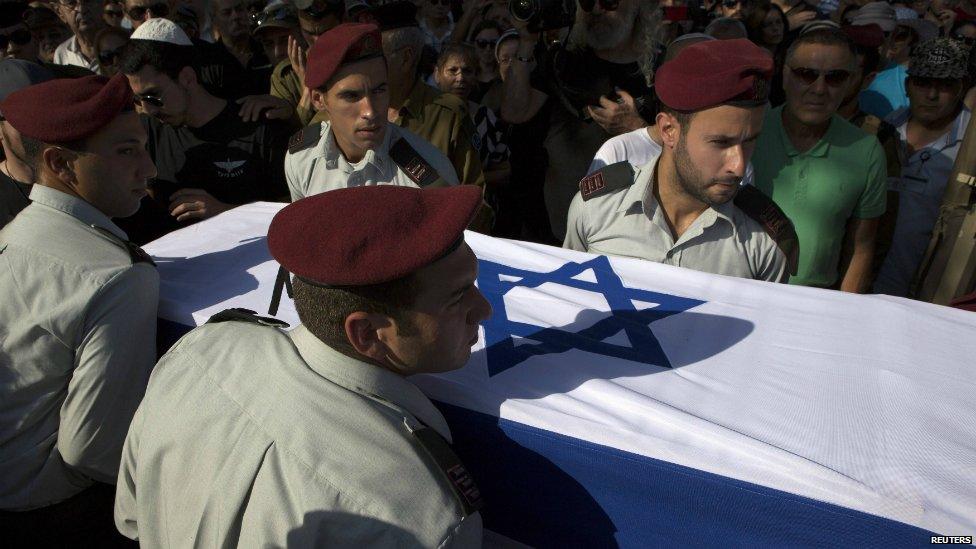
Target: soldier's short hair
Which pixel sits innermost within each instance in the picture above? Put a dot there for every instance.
(323, 310)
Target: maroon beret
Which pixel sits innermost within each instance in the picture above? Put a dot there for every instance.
(710, 73)
(368, 235)
(67, 109)
(345, 43)
(866, 36)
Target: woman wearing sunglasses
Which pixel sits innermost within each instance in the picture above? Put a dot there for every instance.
(108, 45)
(16, 41)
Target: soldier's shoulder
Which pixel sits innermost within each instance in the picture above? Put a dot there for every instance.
(766, 217)
(450, 102)
(606, 182)
(305, 138)
(283, 70)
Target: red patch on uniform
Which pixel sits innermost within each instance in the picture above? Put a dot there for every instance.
(592, 184)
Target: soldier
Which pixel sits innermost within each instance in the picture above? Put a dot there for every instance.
(357, 146)
(686, 207)
(251, 435)
(78, 312)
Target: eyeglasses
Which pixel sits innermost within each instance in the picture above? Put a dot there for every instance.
(107, 57)
(607, 5)
(939, 84)
(138, 13)
(152, 100)
(280, 14)
(18, 37)
(485, 43)
(834, 78)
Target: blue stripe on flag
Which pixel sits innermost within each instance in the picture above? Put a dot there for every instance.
(550, 490)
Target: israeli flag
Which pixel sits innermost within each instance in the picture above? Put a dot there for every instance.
(618, 402)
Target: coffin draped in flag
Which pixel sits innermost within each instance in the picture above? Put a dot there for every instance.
(617, 402)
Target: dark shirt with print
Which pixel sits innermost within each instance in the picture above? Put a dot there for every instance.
(237, 162)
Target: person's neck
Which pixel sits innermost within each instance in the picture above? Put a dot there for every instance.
(680, 209)
(435, 23)
(400, 91)
(803, 136)
(17, 170)
(350, 153)
(204, 108)
(919, 133)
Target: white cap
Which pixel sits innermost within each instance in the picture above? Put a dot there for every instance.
(158, 29)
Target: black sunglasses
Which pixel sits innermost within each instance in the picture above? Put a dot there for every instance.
(137, 13)
(153, 100)
(607, 5)
(834, 78)
(19, 37)
(485, 43)
(107, 57)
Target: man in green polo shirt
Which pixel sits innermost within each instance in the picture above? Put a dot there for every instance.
(827, 175)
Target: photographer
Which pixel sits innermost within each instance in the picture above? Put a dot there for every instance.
(595, 79)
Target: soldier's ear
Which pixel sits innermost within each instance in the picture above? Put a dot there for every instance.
(669, 129)
(59, 162)
(365, 333)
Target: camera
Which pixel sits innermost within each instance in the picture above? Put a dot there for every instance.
(543, 15)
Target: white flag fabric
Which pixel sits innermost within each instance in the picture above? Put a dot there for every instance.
(618, 402)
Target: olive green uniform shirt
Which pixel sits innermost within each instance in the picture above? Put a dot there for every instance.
(77, 344)
(286, 85)
(629, 222)
(252, 437)
(441, 119)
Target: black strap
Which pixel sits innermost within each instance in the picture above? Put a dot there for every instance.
(774, 221)
(246, 315)
(462, 484)
(607, 180)
(136, 254)
(415, 166)
(282, 281)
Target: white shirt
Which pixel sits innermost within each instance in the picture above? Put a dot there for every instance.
(77, 344)
(322, 167)
(638, 148)
(69, 53)
(920, 188)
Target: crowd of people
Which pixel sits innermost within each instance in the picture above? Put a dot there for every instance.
(775, 140)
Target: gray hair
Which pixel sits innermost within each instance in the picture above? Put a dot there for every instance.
(403, 37)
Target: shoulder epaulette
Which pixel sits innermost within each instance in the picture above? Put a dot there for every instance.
(415, 166)
(777, 225)
(607, 180)
(137, 254)
(246, 315)
(460, 480)
(305, 138)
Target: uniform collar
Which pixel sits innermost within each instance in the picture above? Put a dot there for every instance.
(420, 95)
(75, 207)
(819, 150)
(367, 379)
(330, 149)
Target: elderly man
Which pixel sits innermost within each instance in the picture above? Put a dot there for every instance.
(687, 207)
(827, 175)
(84, 18)
(930, 131)
(138, 12)
(315, 438)
(232, 23)
(597, 85)
(78, 314)
(347, 74)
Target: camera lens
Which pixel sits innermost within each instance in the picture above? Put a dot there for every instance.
(523, 10)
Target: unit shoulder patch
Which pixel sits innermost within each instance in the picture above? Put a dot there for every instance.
(136, 254)
(607, 180)
(305, 138)
(774, 221)
(411, 163)
(246, 315)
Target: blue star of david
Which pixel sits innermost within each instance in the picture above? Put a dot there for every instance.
(500, 331)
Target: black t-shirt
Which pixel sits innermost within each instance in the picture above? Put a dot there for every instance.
(235, 161)
(13, 198)
(219, 71)
(253, 79)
